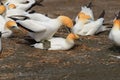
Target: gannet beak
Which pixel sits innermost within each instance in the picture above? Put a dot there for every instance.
(74, 22)
(68, 30)
(14, 27)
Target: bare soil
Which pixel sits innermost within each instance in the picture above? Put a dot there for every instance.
(90, 59)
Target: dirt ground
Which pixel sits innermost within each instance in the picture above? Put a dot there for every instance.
(90, 59)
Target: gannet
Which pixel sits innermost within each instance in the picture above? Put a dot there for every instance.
(82, 20)
(44, 30)
(92, 27)
(115, 31)
(58, 43)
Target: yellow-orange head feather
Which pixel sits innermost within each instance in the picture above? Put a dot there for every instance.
(83, 17)
(66, 21)
(116, 24)
(10, 24)
(11, 6)
(2, 9)
(72, 36)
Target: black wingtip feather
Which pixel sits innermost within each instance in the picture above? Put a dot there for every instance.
(118, 16)
(15, 19)
(102, 14)
(31, 12)
(1, 3)
(89, 5)
(31, 41)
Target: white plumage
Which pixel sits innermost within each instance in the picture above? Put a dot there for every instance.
(15, 1)
(92, 27)
(82, 20)
(38, 17)
(12, 12)
(25, 6)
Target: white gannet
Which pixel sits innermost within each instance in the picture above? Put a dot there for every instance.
(58, 43)
(114, 34)
(82, 20)
(92, 27)
(44, 30)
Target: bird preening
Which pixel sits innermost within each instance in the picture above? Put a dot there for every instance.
(17, 14)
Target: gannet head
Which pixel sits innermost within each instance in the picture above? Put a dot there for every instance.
(83, 17)
(66, 21)
(11, 25)
(11, 6)
(116, 24)
(2, 9)
(72, 37)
